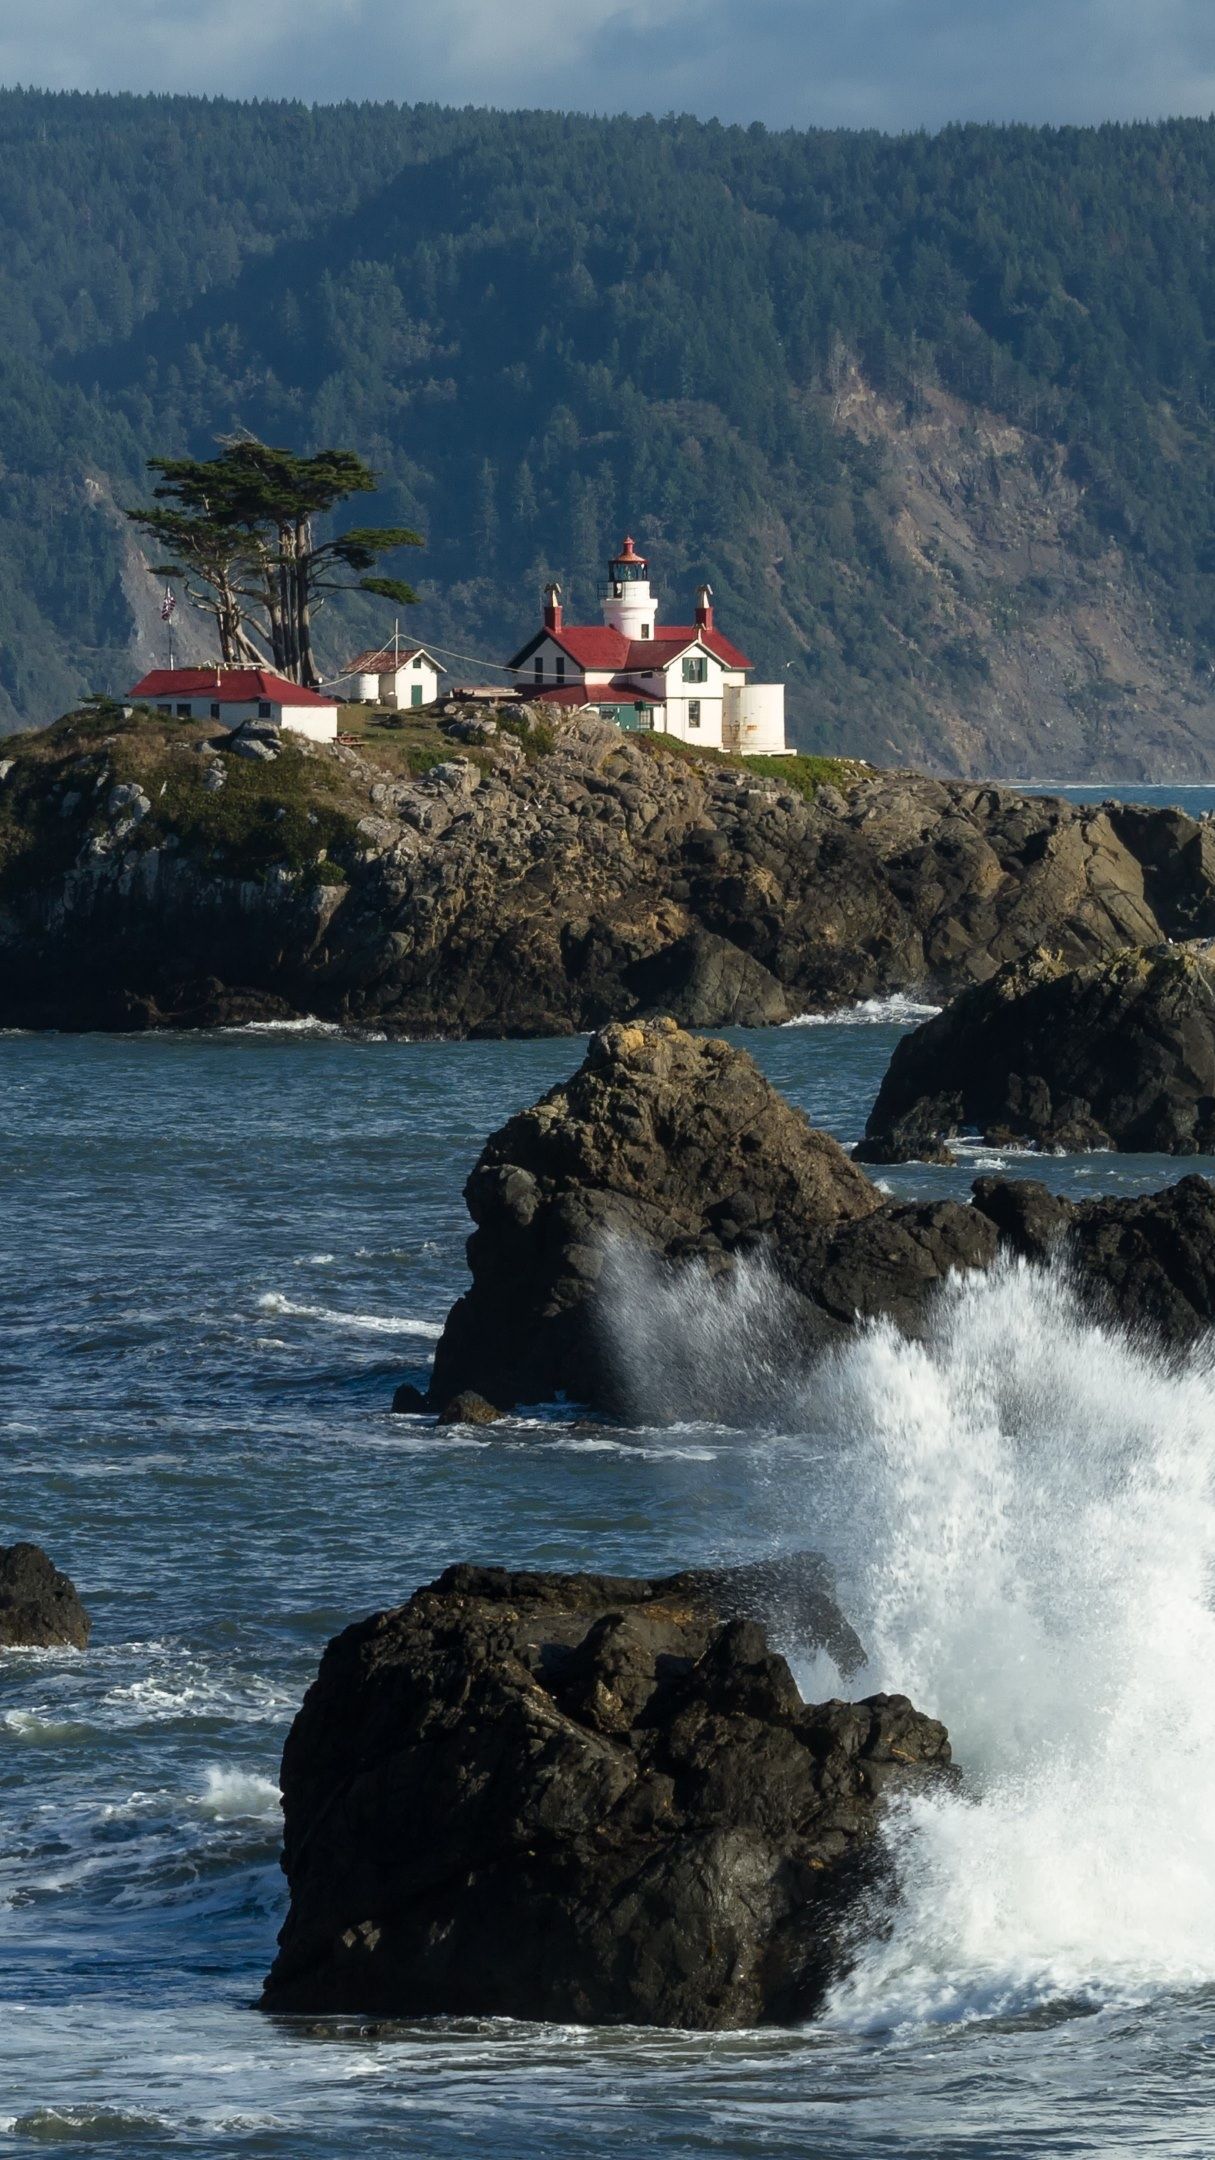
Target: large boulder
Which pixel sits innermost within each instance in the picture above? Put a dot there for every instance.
(1119, 1053)
(664, 1153)
(39, 1606)
(583, 1799)
(673, 1150)
(672, 1145)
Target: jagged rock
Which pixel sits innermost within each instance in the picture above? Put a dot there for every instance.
(581, 1799)
(705, 981)
(1149, 1263)
(408, 1400)
(1118, 1053)
(39, 1607)
(678, 1147)
(469, 1408)
(665, 1151)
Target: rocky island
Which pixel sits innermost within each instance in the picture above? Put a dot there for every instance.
(506, 874)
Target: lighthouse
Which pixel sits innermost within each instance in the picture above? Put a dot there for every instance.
(683, 679)
(628, 603)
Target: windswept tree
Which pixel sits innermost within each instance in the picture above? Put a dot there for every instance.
(240, 535)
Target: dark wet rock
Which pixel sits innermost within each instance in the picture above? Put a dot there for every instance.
(1028, 1217)
(666, 1152)
(1118, 1053)
(1149, 1263)
(39, 1606)
(409, 1399)
(583, 1799)
(469, 1408)
(674, 1146)
(705, 981)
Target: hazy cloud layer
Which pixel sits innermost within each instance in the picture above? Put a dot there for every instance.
(886, 63)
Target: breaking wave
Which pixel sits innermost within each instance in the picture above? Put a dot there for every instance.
(897, 1010)
(1019, 1510)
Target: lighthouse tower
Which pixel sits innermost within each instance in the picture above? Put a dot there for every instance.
(628, 603)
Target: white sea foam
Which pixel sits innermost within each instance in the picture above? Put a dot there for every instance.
(1031, 1561)
(238, 1795)
(898, 1010)
(1020, 1508)
(361, 1323)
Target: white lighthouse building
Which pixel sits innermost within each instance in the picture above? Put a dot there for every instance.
(686, 679)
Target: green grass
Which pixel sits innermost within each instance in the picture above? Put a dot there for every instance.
(803, 774)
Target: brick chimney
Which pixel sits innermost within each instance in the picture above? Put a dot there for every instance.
(704, 607)
(552, 608)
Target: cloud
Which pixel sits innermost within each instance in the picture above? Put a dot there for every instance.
(885, 63)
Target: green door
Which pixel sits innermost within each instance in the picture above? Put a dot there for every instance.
(415, 693)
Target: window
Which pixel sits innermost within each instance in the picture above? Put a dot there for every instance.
(417, 659)
(264, 711)
(561, 667)
(645, 629)
(215, 712)
(184, 712)
(696, 669)
(539, 668)
(415, 693)
(164, 708)
(694, 712)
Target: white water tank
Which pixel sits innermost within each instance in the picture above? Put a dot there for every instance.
(753, 721)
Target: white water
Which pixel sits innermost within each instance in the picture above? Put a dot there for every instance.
(1020, 1512)
(1023, 1507)
(897, 1010)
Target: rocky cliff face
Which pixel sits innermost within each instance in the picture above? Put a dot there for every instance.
(1058, 660)
(529, 884)
(581, 1798)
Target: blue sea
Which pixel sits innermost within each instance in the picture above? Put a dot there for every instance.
(223, 1252)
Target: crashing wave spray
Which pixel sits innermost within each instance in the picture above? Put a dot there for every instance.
(1019, 1508)
(1033, 1536)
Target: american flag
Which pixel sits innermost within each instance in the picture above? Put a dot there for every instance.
(168, 604)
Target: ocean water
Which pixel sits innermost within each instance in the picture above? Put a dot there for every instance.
(223, 1251)
(221, 1256)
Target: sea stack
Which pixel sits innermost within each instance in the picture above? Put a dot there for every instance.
(583, 1799)
(1118, 1053)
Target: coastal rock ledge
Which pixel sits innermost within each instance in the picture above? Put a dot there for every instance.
(581, 1798)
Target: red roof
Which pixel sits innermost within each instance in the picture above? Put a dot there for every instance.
(628, 552)
(227, 686)
(613, 693)
(596, 647)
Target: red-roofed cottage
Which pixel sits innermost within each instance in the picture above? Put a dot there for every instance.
(680, 679)
(232, 696)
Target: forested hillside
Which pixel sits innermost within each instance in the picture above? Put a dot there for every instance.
(931, 413)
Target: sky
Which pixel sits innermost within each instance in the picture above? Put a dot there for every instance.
(791, 63)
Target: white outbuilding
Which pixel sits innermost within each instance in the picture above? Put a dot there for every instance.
(399, 676)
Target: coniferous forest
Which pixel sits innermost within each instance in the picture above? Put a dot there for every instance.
(935, 415)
